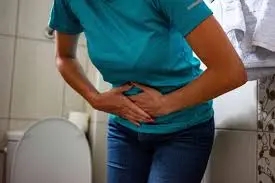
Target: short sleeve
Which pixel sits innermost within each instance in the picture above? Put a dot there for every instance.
(184, 15)
(62, 19)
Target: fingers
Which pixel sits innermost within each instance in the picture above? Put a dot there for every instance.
(134, 118)
(137, 117)
(143, 87)
(138, 97)
(137, 112)
(122, 88)
(144, 116)
(135, 98)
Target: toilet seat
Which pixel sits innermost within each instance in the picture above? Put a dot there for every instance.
(52, 151)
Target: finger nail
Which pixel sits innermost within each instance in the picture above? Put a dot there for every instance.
(150, 120)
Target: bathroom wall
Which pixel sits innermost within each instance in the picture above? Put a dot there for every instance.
(240, 148)
(31, 89)
(235, 153)
(30, 86)
(243, 151)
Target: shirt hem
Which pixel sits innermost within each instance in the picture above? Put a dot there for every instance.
(165, 128)
(64, 30)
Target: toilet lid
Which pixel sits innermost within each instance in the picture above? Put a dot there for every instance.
(52, 151)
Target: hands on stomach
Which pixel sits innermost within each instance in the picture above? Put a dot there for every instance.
(140, 108)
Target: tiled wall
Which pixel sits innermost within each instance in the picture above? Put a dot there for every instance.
(234, 156)
(31, 88)
(30, 85)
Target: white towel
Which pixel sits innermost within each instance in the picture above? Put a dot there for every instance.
(264, 35)
(239, 19)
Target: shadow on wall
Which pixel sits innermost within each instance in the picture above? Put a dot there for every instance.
(240, 121)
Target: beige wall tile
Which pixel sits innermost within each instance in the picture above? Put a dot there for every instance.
(98, 136)
(73, 101)
(1, 167)
(233, 159)
(33, 18)
(237, 109)
(4, 125)
(6, 57)
(20, 124)
(37, 86)
(8, 14)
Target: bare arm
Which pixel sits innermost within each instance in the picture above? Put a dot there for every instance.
(70, 68)
(224, 72)
(112, 101)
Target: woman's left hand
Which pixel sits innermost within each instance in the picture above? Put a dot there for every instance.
(150, 100)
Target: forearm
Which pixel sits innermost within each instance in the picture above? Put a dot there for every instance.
(225, 70)
(73, 74)
(209, 85)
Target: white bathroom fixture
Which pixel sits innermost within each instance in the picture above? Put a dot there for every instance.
(51, 151)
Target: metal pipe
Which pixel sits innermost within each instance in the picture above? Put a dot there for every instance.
(49, 33)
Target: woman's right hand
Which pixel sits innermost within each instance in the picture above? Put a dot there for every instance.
(112, 101)
(115, 102)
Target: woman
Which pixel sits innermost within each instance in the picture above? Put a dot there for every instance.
(161, 129)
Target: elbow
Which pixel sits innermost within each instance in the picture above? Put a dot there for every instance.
(237, 76)
(61, 63)
(58, 62)
(243, 77)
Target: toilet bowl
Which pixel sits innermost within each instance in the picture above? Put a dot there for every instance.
(52, 151)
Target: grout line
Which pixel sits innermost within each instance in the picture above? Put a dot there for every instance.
(13, 60)
(243, 130)
(63, 98)
(4, 118)
(34, 39)
(235, 129)
(225, 129)
(86, 70)
(7, 35)
(25, 119)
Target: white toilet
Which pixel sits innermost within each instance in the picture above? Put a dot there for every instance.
(51, 151)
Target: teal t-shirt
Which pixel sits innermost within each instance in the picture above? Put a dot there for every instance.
(140, 41)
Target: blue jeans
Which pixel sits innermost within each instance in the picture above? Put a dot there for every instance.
(179, 157)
